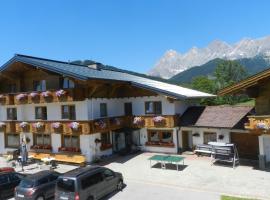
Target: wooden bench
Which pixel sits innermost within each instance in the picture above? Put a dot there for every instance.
(203, 149)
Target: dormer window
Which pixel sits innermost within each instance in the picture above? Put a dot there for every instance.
(68, 83)
(39, 85)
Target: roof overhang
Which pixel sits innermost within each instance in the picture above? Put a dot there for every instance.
(246, 83)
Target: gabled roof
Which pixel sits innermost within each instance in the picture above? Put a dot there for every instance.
(83, 72)
(191, 115)
(248, 82)
(223, 116)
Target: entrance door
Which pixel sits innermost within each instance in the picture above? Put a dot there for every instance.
(185, 140)
(119, 141)
(246, 144)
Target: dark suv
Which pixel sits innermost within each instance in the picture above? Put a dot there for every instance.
(38, 186)
(88, 183)
(8, 181)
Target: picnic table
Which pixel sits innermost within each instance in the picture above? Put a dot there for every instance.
(166, 159)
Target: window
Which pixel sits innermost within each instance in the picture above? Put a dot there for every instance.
(66, 185)
(91, 180)
(12, 140)
(103, 110)
(13, 177)
(68, 112)
(153, 107)
(39, 85)
(108, 173)
(41, 113)
(42, 181)
(128, 109)
(11, 114)
(160, 136)
(42, 139)
(71, 141)
(12, 88)
(4, 179)
(67, 83)
(105, 138)
(53, 177)
(209, 137)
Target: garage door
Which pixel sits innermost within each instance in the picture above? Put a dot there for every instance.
(247, 145)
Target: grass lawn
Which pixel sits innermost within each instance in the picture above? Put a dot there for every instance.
(234, 198)
(247, 103)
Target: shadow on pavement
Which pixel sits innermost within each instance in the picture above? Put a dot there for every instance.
(170, 166)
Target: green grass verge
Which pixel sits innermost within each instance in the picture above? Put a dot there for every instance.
(234, 198)
(247, 103)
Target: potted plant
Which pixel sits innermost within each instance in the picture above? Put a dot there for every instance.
(57, 126)
(24, 126)
(139, 121)
(74, 126)
(61, 94)
(47, 95)
(221, 137)
(159, 120)
(34, 96)
(100, 124)
(38, 126)
(21, 98)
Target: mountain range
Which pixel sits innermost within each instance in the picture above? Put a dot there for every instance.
(245, 51)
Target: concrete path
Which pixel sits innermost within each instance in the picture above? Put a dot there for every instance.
(151, 191)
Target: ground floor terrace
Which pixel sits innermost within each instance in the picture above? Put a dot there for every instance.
(197, 179)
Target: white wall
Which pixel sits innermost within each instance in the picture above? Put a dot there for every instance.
(55, 141)
(200, 131)
(144, 139)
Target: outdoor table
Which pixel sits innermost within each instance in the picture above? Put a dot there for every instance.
(47, 159)
(165, 159)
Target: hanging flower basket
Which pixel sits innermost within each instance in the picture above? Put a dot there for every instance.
(38, 126)
(139, 121)
(24, 126)
(159, 120)
(74, 126)
(100, 124)
(262, 125)
(47, 95)
(21, 98)
(60, 93)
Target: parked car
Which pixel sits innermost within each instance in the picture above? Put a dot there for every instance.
(88, 183)
(7, 169)
(8, 181)
(38, 186)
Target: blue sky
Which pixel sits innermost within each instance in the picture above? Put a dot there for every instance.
(124, 33)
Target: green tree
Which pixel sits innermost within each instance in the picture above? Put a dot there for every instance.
(204, 84)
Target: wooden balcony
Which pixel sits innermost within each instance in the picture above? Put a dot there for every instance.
(164, 121)
(259, 124)
(7, 99)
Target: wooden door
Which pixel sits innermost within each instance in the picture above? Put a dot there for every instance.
(185, 140)
(247, 145)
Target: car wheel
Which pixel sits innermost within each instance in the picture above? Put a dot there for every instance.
(120, 185)
(40, 198)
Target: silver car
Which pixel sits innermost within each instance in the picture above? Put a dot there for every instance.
(88, 183)
(38, 186)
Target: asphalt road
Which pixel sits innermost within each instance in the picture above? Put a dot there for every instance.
(148, 191)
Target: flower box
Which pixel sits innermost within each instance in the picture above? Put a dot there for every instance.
(2, 126)
(138, 121)
(24, 126)
(75, 126)
(47, 96)
(35, 97)
(61, 95)
(69, 149)
(159, 121)
(38, 126)
(41, 147)
(100, 124)
(105, 147)
(21, 98)
(57, 127)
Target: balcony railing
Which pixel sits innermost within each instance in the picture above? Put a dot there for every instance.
(89, 126)
(66, 95)
(258, 123)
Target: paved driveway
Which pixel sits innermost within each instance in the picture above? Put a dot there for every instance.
(196, 175)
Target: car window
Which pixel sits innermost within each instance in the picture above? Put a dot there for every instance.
(3, 179)
(27, 183)
(53, 177)
(91, 180)
(42, 181)
(108, 173)
(64, 184)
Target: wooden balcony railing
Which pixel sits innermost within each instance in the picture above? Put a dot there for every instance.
(258, 124)
(65, 95)
(90, 126)
(6, 99)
